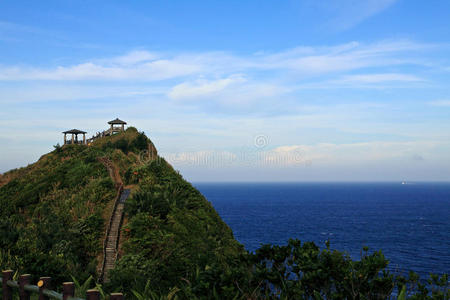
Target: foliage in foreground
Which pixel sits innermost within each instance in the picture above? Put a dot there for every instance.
(301, 271)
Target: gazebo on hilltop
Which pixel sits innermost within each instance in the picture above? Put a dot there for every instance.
(74, 139)
(117, 125)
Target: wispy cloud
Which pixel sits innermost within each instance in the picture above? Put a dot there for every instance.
(9, 27)
(135, 57)
(16, 32)
(201, 87)
(303, 62)
(349, 13)
(441, 103)
(365, 79)
(263, 83)
(151, 71)
(367, 152)
(228, 91)
(318, 155)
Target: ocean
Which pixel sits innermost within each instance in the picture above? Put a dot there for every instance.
(410, 223)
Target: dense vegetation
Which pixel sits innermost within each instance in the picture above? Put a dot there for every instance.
(173, 243)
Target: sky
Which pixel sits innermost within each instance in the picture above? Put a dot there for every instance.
(296, 90)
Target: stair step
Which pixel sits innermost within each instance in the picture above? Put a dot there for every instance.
(113, 236)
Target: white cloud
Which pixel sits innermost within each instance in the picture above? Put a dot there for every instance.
(303, 61)
(63, 91)
(345, 57)
(202, 87)
(214, 159)
(377, 78)
(350, 155)
(148, 71)
(229, 91)
(356, 153)
(10, 30)
(135, 57)
(441, 103)
(318, 155)
(348, 13)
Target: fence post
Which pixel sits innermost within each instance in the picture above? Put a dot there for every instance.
(43, 283)
(68, 290)
(24, 280)
(7, 291)
(116, 296)
(92, 294)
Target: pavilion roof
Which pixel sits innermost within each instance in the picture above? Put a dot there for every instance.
(117, 121)
(74, 131)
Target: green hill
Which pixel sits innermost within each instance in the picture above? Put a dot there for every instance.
(54, 215)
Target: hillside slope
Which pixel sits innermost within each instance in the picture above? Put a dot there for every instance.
(54, 215)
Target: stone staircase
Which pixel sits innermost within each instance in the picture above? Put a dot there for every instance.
(112, 239)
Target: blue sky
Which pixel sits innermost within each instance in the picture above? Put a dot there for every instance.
(236, 90)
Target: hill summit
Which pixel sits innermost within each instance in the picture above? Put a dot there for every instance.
(56, 214)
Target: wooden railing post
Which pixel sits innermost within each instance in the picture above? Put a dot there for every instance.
(116, 296)
(92, 294)
(6, 290)
(43, 283)
(24, 280)
(68, 290)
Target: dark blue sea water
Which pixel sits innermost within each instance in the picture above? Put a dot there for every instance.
(409, 223)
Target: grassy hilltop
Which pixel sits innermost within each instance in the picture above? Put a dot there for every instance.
(173, 244)
(54, 215)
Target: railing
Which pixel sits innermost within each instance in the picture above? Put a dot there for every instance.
(43, 289)
(108, 230)
(69, 142)
(99, 135)
(104, 133)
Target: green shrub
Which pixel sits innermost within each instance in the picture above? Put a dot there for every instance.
(121, 144)
(140, 143)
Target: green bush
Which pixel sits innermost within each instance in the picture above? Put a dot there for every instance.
(121, 144)
(140, 143)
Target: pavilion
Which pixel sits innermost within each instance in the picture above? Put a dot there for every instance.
(74, 139)
(117, 125)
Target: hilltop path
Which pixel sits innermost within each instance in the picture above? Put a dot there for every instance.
(111, 243)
